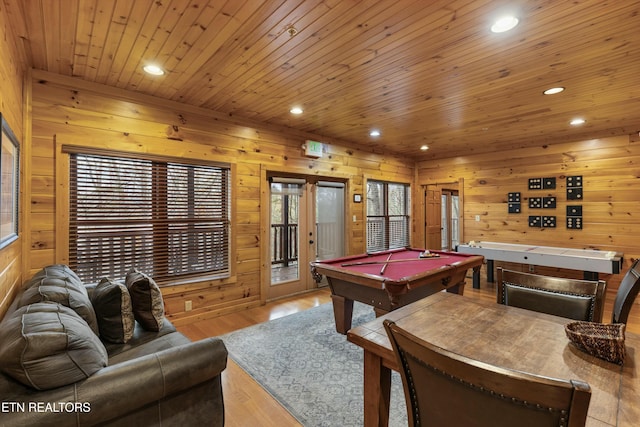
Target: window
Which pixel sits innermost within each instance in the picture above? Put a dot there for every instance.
(167, 219)
(388, 206)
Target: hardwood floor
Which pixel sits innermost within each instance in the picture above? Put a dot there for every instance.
(247, 403)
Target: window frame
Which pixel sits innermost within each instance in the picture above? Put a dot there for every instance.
(63, 169)
(386, 216)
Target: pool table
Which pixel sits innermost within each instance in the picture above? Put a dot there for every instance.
(391, 279)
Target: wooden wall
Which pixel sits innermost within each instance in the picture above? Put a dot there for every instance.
(54, 110)
(610, 168)
(70, 111)
(11, 107)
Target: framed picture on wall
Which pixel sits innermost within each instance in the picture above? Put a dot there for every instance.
(9, 184)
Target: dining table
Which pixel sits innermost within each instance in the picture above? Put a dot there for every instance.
(504, 336)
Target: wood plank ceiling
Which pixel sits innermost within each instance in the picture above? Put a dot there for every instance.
(421, 71)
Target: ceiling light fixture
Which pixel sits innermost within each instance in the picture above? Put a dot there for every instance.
(154, 70)
(296, 110)
(374, 133)
(553, 90)
(424, 147)
(577, 121)
(505, 23)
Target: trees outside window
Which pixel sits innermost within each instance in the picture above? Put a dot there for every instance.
(167, 219)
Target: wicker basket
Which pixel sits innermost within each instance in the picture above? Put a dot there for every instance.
(605, 341)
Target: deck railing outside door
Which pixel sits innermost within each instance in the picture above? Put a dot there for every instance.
(284, 244)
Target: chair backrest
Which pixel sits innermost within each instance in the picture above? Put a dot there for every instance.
(443, 388)
(572, 298)
(627, 293)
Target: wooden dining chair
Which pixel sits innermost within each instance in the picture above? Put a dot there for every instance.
(572, 298)
(443, 388)
(627, 293)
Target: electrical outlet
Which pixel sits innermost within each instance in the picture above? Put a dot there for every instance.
(188, 306)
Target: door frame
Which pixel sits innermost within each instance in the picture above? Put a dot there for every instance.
(265, 220)
(422, 214)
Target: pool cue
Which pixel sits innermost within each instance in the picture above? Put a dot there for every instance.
(384, 267)
(351, 264)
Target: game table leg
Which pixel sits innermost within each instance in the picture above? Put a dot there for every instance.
(490, 278)
(377, 391)
(342, 312)
(476, 278)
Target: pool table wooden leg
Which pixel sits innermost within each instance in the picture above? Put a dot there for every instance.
(380, 311)
(342, 312)
(457, 289)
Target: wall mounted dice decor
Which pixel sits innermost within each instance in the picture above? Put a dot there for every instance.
(542, 221)
(548, 203)
(535, 202)
(535, 183)
(514, 202)
(548, 183)
(574, 187)
(542, 183)
(548, 222)
(574, 217)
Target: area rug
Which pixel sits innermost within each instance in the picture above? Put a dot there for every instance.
(312, 370)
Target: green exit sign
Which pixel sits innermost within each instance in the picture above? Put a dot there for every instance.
(313, 148)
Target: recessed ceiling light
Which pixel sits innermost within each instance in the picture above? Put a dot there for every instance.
(296, 110)
(153, 70)
(577, 121)
(374, 132)
(553, 90)
(505, 23)
(424, 147)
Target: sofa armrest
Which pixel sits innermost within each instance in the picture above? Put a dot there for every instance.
(125, 387)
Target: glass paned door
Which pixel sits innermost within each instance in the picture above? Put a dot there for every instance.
(307, 223)
(329, 220)
(285, 231)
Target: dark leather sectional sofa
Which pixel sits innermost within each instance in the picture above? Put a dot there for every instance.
(58, 370)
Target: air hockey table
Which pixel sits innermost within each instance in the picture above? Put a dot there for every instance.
(590, 261)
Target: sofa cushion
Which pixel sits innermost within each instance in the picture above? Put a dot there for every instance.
(140, 337)
(112, 304)
(146, 299)
(60, 271)
(58, 283)
(47, 345)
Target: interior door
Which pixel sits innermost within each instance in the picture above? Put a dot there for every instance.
(450, 220)
(433, 217)
(443, 222)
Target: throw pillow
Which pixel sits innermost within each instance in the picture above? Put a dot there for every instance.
(146, 298)
(112, 304)
(47, 345)
(54, 285)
